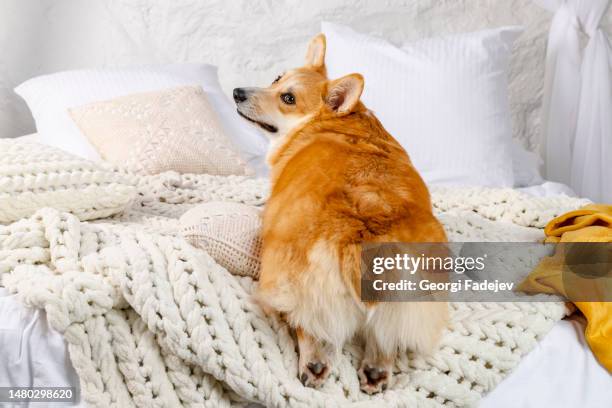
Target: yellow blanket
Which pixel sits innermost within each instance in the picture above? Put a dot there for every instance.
(592, 223)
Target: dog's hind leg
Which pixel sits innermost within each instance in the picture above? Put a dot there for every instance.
(376, 367)
(315, 359)
(398, 326)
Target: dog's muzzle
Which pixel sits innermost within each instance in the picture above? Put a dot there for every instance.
(242, 95)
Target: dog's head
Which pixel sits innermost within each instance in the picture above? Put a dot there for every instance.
(299, 95)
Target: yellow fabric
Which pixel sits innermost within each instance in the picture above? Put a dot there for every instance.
(583, 225)
(592, 223)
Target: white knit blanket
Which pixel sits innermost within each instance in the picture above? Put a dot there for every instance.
(151, 321)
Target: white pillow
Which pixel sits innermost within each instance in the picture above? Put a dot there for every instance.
(34, 176)
(50, 96)
(444, 99)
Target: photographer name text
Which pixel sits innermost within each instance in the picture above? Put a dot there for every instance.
(453, 287)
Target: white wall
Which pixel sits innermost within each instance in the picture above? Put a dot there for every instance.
(250, 40)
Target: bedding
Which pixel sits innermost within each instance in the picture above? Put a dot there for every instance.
(170, 130)
(444, 99)
(33, 176)
(138, 306)
(542, 379)
(50, 96)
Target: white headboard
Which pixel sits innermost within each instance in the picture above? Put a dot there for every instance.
(250, 40)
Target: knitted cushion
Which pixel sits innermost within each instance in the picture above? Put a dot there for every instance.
(152, 132)
(33, 176)
(229, 232)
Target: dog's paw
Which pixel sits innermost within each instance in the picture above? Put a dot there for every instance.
(314, 373)
(373, 379)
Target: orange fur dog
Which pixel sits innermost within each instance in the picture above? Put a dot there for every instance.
(338, 180)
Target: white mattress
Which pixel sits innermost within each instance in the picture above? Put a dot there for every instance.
(561, 372)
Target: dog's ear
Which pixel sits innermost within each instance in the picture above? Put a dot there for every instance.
(315, 56)
(343, 94)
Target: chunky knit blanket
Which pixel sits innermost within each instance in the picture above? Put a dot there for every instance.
(151, 321)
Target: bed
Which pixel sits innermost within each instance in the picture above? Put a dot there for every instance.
(139, 324)
(561, 371)
(37, 355)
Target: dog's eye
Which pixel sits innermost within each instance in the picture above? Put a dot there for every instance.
(288, 98)
(277, 79)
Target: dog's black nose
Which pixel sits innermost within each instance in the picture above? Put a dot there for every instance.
(239, 95)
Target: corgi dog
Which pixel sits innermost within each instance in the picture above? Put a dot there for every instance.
(339, 180)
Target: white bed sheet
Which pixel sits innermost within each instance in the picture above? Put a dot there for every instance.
(560, 372)
(548, 189)
(31, 353)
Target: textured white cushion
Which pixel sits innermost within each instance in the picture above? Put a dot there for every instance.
(444, 99)
(229, 232)
(152, 132)
(50, 96)
(33, 176)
